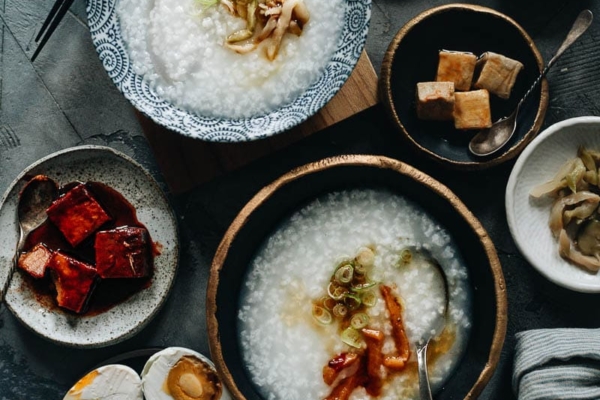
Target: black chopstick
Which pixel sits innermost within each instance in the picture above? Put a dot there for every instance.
(58, 11)
(49, 18)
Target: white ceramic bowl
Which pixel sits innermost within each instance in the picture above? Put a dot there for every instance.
(100, 164)
(528, 218)
(112, 50)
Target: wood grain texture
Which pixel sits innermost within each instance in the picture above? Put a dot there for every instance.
(187, 162)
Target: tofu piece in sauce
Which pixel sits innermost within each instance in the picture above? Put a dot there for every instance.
(124, 252)
(472, 110)
(77, 214)
(435, 100)
(497, 74)
(457, 67)
(74, 281)
(35, 261)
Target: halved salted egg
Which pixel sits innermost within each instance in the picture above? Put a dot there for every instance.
(115, 382)
(181, 374)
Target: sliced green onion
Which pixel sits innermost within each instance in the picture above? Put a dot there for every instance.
(352, 337)
(321, 315)
(363, 286)
(340, 310)
(366, 257)
(336, 291)
(359, 320)
(360, 269)
(369, 298)
(207, 3)
(328, 303)
(352, 301)
(405, 257)
(344, 274)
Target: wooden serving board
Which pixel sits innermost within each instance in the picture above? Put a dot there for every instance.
(187, 162)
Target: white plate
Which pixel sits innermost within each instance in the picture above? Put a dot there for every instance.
(101, 164)
(528, 218)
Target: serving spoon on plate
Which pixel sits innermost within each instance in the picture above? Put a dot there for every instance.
(488, 141)
(35, 197)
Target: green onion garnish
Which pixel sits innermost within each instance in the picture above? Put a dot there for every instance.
(363, 286)
(328, 303)
(366, 257)
(359, 320)
(351, 337)
(344, 274)
(340, 310)
(369, 298)
(405, 257)
(352, 301)
(321, 315)
(335, 291)
(207, 3)
(360, 269)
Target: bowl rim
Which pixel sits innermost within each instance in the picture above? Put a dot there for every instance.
(111, 49)
(371, 161)
(553, 129)
(385, 89)
(133, 329)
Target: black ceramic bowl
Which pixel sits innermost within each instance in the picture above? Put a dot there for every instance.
(412, 57)
(271, 205)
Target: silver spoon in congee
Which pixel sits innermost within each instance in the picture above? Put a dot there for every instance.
(488, 141)
(435, 315)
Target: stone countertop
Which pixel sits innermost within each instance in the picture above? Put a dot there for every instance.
(65, 99)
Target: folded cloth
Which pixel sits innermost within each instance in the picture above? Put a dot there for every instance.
(557, 364)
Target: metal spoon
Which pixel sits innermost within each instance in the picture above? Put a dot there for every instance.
(425, 260)
(34, 199)
(488, 141)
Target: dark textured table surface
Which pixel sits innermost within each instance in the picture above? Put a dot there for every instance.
(65, 99)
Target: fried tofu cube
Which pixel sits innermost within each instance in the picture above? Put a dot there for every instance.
(435, 100)
(35, 261)
(472, 110)
(497, 74)
(77, 214)
(123, 253)
(74, 281)
(457, 67)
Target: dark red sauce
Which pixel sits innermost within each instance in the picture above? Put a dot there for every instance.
(108, 292)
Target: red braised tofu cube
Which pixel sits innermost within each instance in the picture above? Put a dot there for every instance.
(74, 281)
(123, 253)
(35, 261)
(77, 214)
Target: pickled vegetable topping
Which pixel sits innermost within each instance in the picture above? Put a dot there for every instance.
(574, 219)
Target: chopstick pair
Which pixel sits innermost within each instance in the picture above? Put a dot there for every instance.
(58, 11)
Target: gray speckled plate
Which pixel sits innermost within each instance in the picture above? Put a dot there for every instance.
(102, 164)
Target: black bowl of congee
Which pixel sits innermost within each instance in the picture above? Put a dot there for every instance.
(326, 280)
(452, 71)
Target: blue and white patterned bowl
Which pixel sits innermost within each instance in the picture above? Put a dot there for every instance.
(106, 36)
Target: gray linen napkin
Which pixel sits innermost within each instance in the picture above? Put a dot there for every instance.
(557, 364)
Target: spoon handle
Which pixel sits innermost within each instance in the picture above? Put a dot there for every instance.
(424, 388)
(13, 266)
(581, 24)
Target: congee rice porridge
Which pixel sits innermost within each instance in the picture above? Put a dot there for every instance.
(291, 337)
(182, 49)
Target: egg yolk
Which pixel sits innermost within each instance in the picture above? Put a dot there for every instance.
(192, 379)
(83, 383)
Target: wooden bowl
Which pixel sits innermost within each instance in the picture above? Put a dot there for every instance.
(412, 57)
(257, 220)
